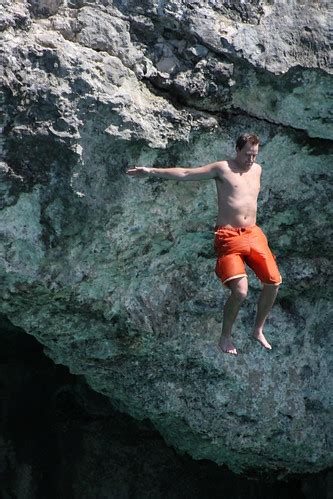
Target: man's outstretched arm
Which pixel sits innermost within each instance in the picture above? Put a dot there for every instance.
(201, 173)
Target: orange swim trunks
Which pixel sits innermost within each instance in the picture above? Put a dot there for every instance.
(235, 246)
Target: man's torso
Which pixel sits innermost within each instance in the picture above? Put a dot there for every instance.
(237, 193)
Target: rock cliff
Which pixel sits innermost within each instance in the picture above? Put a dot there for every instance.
(114, 276)
(72, 443)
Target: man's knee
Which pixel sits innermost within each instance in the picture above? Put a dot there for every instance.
(273, 286)
(239, 295)
(238, 288)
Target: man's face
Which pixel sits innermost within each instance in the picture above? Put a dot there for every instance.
(247, 155)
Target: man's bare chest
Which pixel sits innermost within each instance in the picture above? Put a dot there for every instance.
(239, 184)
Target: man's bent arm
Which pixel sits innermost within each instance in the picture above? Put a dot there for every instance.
(201, 173)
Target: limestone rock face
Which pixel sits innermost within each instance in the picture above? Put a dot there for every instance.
(115, 276)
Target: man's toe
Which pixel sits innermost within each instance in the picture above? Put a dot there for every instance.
(265, 344)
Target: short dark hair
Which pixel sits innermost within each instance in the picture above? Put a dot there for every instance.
(246, 137)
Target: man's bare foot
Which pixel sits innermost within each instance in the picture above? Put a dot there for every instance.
(258, 335)
(226, 346)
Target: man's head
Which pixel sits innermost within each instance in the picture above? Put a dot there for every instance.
(247, 146)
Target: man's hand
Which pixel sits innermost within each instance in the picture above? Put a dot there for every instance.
(138, 171)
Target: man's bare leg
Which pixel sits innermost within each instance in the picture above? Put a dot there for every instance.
(265, 303)
(238, 289)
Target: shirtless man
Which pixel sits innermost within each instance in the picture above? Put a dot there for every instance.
(238, 239)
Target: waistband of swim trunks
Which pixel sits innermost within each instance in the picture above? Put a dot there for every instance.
(236, 229)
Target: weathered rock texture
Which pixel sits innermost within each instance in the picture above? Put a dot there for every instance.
(71, 443)
(114, 276)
